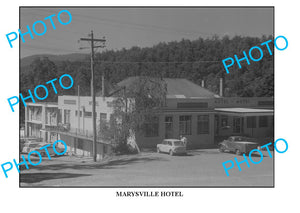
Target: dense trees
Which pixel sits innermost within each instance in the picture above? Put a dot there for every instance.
(196, 60)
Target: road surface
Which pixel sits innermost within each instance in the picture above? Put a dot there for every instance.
(200, 168)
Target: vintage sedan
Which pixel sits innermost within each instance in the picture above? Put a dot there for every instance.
(29, 146)
(49, 149)
(238, 145)
(171, 146)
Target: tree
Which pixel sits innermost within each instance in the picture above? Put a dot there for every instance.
(40, 71)
(133, 107)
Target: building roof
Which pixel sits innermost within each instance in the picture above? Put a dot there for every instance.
(177, 88)
(48, 104)
(245, 111)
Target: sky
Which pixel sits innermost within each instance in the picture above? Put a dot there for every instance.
(143, 27)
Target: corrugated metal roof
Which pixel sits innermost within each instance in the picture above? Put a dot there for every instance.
(245, 111)
(177, 87)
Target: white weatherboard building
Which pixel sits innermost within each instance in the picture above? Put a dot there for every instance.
(191, 110)
(39, 119)
(76, 118)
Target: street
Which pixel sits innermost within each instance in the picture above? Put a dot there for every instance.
(200, 168)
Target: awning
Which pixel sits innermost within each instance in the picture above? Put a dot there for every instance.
(244, 112)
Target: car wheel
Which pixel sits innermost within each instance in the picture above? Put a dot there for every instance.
(238, 152)
(171, 152)
(158, 151)
(222, 148)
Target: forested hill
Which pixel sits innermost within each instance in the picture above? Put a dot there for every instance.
(26, 61)
(194, 60)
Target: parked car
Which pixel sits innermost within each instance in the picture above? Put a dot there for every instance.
(265, 141)
(24, 142)
(238, 145)
(49, 148)
(171, 146)
(29, 146)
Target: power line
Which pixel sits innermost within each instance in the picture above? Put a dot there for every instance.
(92, 40)
(147, 27)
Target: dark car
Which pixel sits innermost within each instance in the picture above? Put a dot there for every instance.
(265, 141)
(238, 145)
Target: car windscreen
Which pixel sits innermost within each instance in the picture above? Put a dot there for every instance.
(32, 145)
(244, 139)
(178, 143)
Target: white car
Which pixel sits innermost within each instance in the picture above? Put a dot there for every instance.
(49, 149)
(171, 146)
(29, 146)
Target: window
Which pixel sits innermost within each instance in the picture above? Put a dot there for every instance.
(185, 125)
(236, 125)
(80, 144)
(87, 114)
(168, 127)
(103, 120)
(76, 113)
(251, 122)
(263, 121)
(152, 127)
(203, 124)
(70, 102)
(224, 121)
(59, 118)
(67, 114)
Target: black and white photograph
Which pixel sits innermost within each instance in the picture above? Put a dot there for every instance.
(160, 97)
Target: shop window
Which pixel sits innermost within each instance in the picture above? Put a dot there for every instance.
(80, 144)
(224, 121)
(185, 125)
(237, 125)
(152, 127)
(251, 122)
(203, 124)
(263, 121)
(168, 127)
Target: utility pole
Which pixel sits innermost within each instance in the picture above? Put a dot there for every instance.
(103, 86)
(78, 108)
(92, 40)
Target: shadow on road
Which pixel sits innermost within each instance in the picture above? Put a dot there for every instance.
(216, 152)
(95, 165)
(203, 151)
(38, 177)
(253, 155)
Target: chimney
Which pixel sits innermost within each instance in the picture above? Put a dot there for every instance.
(202, 83)
(221, 87)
